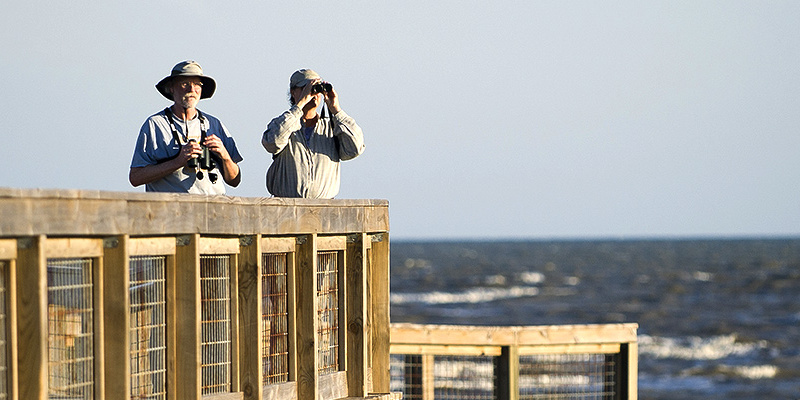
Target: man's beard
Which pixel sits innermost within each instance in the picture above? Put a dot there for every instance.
(188, 101)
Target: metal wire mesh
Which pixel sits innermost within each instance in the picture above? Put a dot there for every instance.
(70, 332)
(275, 317)
(215, 342)
(454, 377)
(567, 376)
(464, 377)
(148, 327)
(405, 371)
(328, 311)
(3, 332)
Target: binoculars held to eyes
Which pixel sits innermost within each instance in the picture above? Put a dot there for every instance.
(321, 88)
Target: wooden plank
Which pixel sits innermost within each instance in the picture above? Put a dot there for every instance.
(235, 346)
(332, 386)
(151, 246)
(598, 348)
(445, 350)
(98, 297)
(428, 377)
(503, 336)
(379, 286)
(291, 308)
(92, 213)
(379, 396)
(73, 248)
(29, 216)
(356, 315)
(307, 323)
(171, 274)
(564, 334)
(32, 318)
(250, 329)
(507, 374)
(116, 284)
(8, 249)
(218, 246)
(280, 391)
(341, 313)
(224, 396)
(331, 243)
(278, 244)
(631, 370)
(453, 335)
(187, 315)
(12, 328)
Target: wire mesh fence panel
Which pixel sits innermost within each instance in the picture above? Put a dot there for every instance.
(567, 376)
(3, 331)
(215, 308)
(328, 311)
(148, 345)
(275, 318)
(405, 372)
(70, 331)
(463, 377)
(454, 377)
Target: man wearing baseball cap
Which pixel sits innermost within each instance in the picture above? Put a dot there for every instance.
(307, 148)
(181, 149)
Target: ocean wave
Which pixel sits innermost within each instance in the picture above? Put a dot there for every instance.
(472, 296)
(751, 372)
(696, 348)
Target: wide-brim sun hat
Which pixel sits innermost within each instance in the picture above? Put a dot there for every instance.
(187, 68)
(302, 77)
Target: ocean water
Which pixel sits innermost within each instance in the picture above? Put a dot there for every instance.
(718, 319)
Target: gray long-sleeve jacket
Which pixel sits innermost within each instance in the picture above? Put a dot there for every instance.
(310, 168)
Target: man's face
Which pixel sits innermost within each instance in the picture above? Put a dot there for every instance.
(186, 91)
(316, 99)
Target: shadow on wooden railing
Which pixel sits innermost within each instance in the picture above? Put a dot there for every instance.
(533, 362)
(166, 296)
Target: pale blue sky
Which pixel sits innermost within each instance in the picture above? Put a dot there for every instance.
(501, 119)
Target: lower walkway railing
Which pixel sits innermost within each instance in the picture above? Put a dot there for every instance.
(548, 362)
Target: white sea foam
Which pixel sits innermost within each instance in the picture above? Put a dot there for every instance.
(702, 276)
(696, 348)
(472, 296)
(751, 371)
(497, 280)
(532, 278)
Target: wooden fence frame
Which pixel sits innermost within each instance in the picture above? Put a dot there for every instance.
(509, 343)
(110, 228)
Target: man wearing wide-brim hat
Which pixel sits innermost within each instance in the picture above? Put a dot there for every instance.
(181, 149)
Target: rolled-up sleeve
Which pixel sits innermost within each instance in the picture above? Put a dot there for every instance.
(276, 137)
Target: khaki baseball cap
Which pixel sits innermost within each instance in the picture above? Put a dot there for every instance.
(302, 77)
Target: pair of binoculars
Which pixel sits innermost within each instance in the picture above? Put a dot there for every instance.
(204, 161)
(321, 88)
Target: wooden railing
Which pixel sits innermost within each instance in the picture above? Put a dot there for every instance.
(534, 362)
(167, 296)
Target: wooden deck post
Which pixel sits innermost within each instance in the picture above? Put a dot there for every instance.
(187, 317)
(356, 309)
(507, 373)
(307, 323)
(32, 320)
(116, 280)
(250, 331)
(8, 253)
(381, 330)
